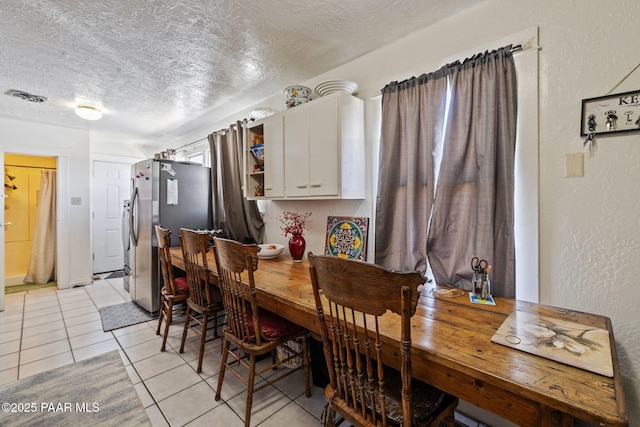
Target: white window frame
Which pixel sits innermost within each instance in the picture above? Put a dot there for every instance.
(187, 153)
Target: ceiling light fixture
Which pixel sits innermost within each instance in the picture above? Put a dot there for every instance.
(88, 113)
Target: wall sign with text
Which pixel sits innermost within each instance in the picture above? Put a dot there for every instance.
(612, 113)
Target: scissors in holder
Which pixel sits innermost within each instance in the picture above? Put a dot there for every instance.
(478, 264)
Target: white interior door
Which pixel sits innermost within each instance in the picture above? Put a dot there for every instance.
(2, 235)
(110, 190)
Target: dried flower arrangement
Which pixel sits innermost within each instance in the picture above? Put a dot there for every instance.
(294, 222)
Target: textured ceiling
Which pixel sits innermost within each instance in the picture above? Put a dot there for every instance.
(159, 69)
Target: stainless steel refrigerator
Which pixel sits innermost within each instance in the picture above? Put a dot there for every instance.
(173, 195)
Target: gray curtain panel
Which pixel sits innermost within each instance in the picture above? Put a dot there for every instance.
(473, 209)
(412, 120)
(238, 217)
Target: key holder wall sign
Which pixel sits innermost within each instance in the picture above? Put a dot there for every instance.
(610, 114)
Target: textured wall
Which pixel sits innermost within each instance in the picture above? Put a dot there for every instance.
(71, 147)
(590, 226)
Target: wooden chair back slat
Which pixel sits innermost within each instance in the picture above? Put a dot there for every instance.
(194, 252)
(357, 295)
(236, 264)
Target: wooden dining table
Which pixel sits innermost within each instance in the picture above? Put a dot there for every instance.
(452, 350)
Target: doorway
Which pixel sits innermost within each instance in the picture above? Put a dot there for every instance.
(111, 184)
(22, 185)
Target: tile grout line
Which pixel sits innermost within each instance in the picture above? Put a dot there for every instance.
(66, 330)
(142, 381)
(123, 351)
(24, 307)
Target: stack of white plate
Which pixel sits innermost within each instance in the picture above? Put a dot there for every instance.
(331, 86)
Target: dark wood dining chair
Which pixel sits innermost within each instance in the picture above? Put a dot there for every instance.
(205, 300)
(251, 330)
(175, 290)
(352, 300)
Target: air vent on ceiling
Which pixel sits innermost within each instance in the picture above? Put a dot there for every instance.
(26, 96)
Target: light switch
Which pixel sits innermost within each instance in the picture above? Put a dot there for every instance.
(76, 201)
(573, 165)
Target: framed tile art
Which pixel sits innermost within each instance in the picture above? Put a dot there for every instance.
(347, 237)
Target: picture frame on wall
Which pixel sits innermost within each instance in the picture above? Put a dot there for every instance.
(608, 114)
(347, 237)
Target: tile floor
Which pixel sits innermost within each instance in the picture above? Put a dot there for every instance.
(48, 328)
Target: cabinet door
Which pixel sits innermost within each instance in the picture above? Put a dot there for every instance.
(273, 157)
(296, 151)
(324, 167)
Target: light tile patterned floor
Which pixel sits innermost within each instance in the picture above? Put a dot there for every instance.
(48, 328)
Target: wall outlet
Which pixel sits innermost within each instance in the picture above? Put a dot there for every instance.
(573, 165)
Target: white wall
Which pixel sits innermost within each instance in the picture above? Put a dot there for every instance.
(589, 227)
(71, 147)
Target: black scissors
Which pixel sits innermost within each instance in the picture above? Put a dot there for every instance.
(478, 264)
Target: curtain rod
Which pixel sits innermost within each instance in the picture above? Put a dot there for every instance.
(191, 143)
(31, 167)
(514, 49)
(206, 137)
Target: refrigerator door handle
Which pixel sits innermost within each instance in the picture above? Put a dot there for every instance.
(125, 226)
(132, 217)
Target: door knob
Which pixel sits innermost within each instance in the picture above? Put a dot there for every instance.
(7, 224)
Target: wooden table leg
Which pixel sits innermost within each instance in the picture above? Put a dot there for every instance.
(553, 418)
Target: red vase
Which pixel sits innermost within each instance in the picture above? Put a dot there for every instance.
(297, 244)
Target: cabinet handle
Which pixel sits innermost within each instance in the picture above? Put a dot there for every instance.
(268, 188)
(301, 186)
(316, 185)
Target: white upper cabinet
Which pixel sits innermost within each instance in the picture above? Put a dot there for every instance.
(313, 151)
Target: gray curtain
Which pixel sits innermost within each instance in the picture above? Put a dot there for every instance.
(412, 122)
(236, 216)
(473, 209)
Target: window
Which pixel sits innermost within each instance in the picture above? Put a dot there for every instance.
(195, 153)
(526, 167)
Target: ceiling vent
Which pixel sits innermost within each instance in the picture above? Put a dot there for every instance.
(26, 96)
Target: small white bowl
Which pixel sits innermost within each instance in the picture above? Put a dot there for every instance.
(270, 250)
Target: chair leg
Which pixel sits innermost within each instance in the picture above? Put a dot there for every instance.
(203, 335)
(305, 361)
(223, 363)
(331, 418)
(167, 323)
(450, 420)
(184, 331)
(160, 314)
(252, 375)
